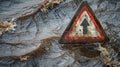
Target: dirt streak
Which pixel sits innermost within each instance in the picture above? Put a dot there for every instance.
(38, 51)
(42, 6)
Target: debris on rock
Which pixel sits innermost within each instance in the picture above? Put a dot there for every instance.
(49, 3)
(24, 58)
(42, 6)
(104, 55)
(7, 26)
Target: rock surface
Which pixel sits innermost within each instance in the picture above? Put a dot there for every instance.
(41, 29)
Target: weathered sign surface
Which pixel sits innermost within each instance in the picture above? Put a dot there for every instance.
(84, 27)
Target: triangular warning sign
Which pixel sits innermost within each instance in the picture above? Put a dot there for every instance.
(84, 28)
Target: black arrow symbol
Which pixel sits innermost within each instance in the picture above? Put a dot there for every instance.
(85, 24)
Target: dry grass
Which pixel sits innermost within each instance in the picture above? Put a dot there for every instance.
(6, 26)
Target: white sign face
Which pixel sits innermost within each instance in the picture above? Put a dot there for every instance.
(84, 27)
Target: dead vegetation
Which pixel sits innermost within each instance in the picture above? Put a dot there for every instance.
(49, 3)
(42, 6)
(104, 54)
(7, 26)
(90, 53)
(106, 59)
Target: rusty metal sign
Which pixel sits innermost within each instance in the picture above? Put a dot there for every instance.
(84, 28)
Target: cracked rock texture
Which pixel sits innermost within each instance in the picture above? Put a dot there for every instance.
(45, 28)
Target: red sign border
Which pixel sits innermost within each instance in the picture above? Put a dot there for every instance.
(66, 39)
